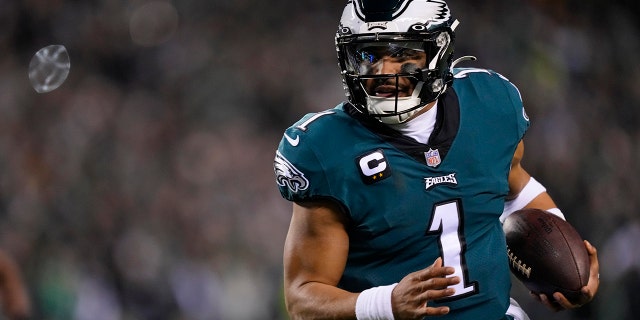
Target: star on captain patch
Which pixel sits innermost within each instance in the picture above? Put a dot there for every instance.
(432, 157)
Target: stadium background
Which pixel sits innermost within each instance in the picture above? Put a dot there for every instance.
(142, 188)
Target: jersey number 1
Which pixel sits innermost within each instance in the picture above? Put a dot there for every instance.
(446, 224)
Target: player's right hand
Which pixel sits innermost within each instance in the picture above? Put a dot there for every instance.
(410, 298)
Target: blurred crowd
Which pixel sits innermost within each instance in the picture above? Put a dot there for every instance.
(143, 188)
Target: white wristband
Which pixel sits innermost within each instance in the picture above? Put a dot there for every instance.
(531, 190)
(375, 303)
(557, 212)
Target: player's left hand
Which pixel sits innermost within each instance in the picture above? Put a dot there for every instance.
(588, 291)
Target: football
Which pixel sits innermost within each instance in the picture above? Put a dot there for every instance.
(546, 253)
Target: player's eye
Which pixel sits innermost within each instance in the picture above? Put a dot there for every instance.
(407, 54)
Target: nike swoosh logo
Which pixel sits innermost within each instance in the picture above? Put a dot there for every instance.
(292, 142)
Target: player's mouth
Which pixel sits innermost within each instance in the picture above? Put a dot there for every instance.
(389, 91)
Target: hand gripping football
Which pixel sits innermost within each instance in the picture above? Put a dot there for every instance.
(546, 253)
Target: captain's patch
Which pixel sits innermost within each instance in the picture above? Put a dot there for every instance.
(373, 167)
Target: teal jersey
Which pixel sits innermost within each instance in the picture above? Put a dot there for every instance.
(410, 203)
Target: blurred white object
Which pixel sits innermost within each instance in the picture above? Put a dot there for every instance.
(49, 68)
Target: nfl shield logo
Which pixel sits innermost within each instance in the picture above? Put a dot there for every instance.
(432, 157)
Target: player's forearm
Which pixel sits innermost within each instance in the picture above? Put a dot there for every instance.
(315, 300)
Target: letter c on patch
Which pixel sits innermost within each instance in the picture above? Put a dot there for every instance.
(373, 164)
(373, 167)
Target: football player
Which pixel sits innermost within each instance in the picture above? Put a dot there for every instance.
(398, 193)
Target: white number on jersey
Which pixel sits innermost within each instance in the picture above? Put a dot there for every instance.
(446, 223)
